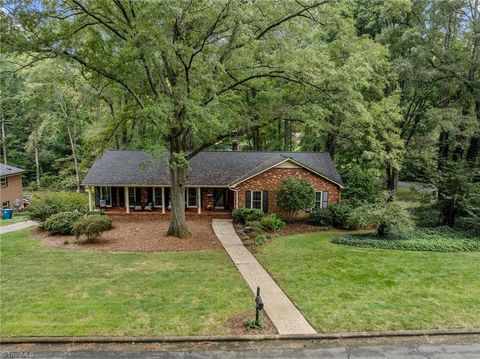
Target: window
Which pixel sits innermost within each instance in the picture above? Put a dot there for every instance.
(257, 199)
(321, 199)
(318, 199)
(132, 197)
(157, 197)
(106, 194)
(4, 181)
(191, 197)
(6, 204)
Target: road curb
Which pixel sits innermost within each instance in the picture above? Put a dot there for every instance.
(239, 338)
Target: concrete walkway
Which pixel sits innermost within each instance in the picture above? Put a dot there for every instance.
(281, 311)
(17, 226)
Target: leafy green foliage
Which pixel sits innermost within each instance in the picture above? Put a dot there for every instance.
(251, 324)
(336, 215)
(50, 203)
(439, 239)
(391, 219)
(243, 215)
(62, 223)
(272, 223)
(361, 185)
(91, 227)
(295, 195)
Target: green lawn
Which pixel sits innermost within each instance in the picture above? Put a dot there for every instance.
(341, 288)
(46, 291)
(16, 218)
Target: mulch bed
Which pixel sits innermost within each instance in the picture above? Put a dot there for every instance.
(236, 324)
(141, 234)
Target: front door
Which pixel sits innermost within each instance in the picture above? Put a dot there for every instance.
(220, 198)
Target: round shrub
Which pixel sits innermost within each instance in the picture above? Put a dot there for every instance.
(50, 203)
(62, 223)
(337, 215)
(272, 223)
(295, 195)
(243, 215)
(91, 227)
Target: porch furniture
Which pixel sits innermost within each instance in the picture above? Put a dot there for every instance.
(138, 207)
(103, 204)
(148, 207)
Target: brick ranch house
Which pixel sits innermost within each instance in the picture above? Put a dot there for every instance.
(217, 181)
(11, 190)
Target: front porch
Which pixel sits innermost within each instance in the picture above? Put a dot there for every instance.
(119, 200)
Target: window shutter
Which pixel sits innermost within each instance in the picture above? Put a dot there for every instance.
(97, 196)
(325, 200)
(265, 201)
(248, 199)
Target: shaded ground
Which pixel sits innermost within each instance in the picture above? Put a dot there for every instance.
(45, 291)
(142, 234)
(342, 288)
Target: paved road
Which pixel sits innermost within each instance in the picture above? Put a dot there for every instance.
(426, 351)
(279, 308)
(17, 226)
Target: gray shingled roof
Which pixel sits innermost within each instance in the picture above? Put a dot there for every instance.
(209, 168)
(7, 170)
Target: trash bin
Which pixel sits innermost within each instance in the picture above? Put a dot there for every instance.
(7, 213)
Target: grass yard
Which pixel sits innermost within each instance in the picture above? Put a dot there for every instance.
(47, 291)
(341, 288)
(15, 219)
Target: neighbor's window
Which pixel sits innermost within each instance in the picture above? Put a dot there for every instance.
(257, 199)
(4, 182)
(6, 204)
(191, 197)
(132, 197)
(325, 200)
(157, 197)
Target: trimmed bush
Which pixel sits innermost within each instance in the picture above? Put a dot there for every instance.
(48, 204)
(337, 215)
(91, 227)
(441, 239)
(468, 225)
(62, 223)
(272, 223)
(243, 215)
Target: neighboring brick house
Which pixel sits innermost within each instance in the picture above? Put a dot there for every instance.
(216, 180)
(11, 191)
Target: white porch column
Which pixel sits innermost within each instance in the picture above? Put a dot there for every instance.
(127, 200)
(90, 202)
(163, 199)
(199, 200)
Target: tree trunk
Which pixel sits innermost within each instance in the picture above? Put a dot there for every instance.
(392, 181)
(331, 144)
(4, 144)
(37, 161)
(73, 145)
(178, 178)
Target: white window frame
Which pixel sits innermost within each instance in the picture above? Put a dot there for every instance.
(321, 199)
(4, 182)
(261, 200)
(188, 197)
(109, 190)
(155, 204)
(130, 203)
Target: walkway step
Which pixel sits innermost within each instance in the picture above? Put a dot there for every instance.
(280, 309)
(17, 226)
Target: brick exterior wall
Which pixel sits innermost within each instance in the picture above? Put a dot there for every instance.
(271, 181)
(13, 191)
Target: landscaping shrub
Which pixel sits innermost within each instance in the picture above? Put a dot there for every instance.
(91, 227)
(468, 224)
(391, 219)
(272, 223)
(260, 239)
(337, 215)
(253, 226)
(243, 215)
(48, 204)
(361, 185)
(295, 195)
(251, 324)
(426, 215)
(440, 239)
(62, 223)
